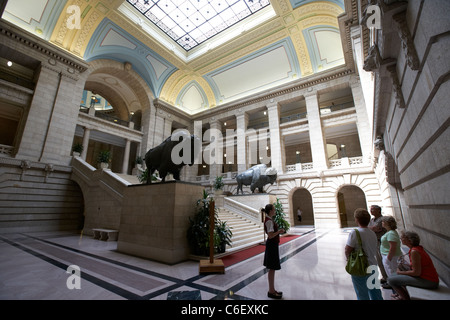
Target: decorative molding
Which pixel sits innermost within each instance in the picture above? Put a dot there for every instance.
(409, 49)
(396, 86)
(373, 60)
(37, 45)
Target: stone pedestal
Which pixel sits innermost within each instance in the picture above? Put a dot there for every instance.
(155, 220)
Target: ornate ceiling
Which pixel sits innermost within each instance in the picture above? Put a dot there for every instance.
(286, 41)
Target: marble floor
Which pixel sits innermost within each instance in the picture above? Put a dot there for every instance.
(34, 266)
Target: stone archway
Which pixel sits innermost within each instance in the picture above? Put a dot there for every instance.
(349, 198)
(129, 95)
(301, 198)
(120, 85)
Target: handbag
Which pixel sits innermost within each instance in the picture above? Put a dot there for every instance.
(403, 264)
(357, 263)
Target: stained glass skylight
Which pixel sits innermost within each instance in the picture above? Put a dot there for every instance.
(192, 22)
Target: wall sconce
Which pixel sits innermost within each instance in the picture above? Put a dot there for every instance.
(343, 153)
(93, 101)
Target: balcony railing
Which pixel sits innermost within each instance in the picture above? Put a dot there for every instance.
(294, 117)
(333, 164)
(6, 150)
(110, 118)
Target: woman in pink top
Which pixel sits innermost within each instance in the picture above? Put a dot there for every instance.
(422, 273)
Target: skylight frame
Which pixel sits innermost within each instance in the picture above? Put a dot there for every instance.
(188, 34)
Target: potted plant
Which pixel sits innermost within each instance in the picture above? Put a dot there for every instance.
(280, 216)
(77, 149)
(224, 233)
(104, 157)
(218, 185)
(139, 162)
(143, 177)
(198, 231)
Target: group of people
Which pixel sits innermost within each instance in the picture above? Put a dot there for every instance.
(381, 244)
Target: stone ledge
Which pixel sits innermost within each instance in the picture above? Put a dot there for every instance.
(441, 293)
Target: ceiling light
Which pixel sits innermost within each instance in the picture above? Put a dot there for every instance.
(9, 63)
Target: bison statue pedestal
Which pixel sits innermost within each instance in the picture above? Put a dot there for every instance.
(155, 219)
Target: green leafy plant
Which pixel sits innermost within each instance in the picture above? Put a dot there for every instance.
(78, 147)
(224, 233)
(139, 160)
(218, 183)
(143, 177)
(198, 231)
(280, 216)
(104, 156)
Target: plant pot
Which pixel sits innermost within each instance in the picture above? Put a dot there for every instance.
(222, 247)
(104, 165)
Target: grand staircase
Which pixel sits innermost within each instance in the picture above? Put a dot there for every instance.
(245, 232)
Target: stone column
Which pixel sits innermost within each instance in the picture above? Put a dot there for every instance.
(86, 135)
(316, 136)
(147, 124)
(158, 136)
(126, 157)
(167, 128)
(363, 125)
(52, 117)
(188, 173)
(215, 168)
(241, 128)
(276, 141)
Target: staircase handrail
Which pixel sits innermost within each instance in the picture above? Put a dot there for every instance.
(104, 178)
(243, 210)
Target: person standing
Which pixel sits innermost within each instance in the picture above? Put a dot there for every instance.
(390, 247)
(299, 214)
(369, 244)
(376, 226)
(272, 255)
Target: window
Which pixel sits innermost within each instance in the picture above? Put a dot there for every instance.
(192, 22)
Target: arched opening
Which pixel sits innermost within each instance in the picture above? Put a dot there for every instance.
(302, 200)
(114, 94)
(349, 199)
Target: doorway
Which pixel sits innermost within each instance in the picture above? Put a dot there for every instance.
(350, 198)
(301, 199)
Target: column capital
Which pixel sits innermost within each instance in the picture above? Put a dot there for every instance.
(242, 115)
(311, 94)
(273, 106)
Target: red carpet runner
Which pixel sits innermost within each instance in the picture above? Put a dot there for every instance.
(251, 252)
